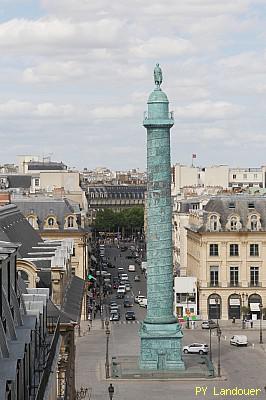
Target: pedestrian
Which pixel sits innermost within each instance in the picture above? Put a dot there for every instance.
(251, 324)
(94, 314)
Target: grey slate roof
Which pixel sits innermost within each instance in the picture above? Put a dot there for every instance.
(242, 205)
(46, 166)
(71, 308)
(45, 206)
(15, 228)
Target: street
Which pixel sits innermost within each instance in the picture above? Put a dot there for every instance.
(241, 366)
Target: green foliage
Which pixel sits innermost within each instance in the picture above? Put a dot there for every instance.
(129, 219)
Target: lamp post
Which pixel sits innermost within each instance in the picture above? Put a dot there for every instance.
(217, 303)
(210, 347)
(107, 365)
(244, 297)
(187, 312)
(261, 341)
(219, 333)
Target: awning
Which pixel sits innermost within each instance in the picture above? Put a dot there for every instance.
(254, 307)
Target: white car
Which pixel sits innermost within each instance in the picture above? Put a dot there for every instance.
(124, 277)
(138, 297)
(239, 340)
(198, 348)
(131, 268)
(143, 302)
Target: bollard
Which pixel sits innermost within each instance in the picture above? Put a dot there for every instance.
(253, 345)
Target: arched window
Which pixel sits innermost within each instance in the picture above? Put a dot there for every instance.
(214, 223)
(254, 223)
(51, 222)
(70, 222)
(31, 220)
(233, 224)
(24, 276)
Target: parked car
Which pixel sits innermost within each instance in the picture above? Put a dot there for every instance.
(136, 278)
(138, 261)
(239, 340)
(123, 248)
(110, 265)
(131, 268)
(198, 348)
(210, 324)
(130, 315)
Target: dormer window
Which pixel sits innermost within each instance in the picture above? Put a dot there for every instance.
(233, 224)
(214, 223)
(32, 219)
(251, 205)
(231, 205)
(70, 222)
(51, 222)
(254, 223)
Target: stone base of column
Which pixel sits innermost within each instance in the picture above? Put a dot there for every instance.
(161, 347)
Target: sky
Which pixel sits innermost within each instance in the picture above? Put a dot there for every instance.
(75, 76)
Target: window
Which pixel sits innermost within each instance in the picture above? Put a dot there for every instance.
(31, 220)
(255, 176)
(51, 221)
(234, 176)
(254, 276)
(37, 182)
(234, 276)
(254, 249)
(245, 176)
(70, 222)
(254, 223)
(234, 250)
(214, 276)
(214, 223)
(231, 205)
(251, 205)
(233, 224)
(214, 249)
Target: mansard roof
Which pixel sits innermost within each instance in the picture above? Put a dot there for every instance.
(15, 228)
(236, 205)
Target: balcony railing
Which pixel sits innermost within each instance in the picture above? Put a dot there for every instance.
(234, 284)
(255, 284)
(214, 284)
(170, 115)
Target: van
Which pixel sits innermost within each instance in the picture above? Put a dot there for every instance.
(239, 340)
(131, 268)
(143, 302)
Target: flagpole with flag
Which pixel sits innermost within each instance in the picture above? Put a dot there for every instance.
(193, 157)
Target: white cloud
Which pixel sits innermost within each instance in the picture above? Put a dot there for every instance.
(208, 110)
(47, 34)
(161, 47)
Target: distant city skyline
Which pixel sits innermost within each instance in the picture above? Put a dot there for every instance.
(75, 76)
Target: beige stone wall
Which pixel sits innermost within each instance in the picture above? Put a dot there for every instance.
(200, 261)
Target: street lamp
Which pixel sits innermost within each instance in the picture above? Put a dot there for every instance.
(187, 312)
(111, 391)
(219, 333)
(107, 365)
(261, 341)
(210, 347)
(244, 297)
(217, 303)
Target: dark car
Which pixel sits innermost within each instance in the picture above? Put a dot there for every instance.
(127, 303)
(109, 265)
(210, 324)
(130, 315)
(123, 248)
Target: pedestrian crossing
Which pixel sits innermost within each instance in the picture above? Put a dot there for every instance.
(124, 322)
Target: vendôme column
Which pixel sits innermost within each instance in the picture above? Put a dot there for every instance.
(160, 332)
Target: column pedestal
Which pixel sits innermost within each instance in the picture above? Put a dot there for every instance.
(161, 347)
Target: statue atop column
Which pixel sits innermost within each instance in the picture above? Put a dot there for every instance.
(158, 76)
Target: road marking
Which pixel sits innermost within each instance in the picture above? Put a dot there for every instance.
(124, 322)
